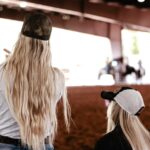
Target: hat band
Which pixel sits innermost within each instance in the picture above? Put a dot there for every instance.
(35, 36)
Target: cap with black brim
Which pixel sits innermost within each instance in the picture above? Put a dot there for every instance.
(127, 98)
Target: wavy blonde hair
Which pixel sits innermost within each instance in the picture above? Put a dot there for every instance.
(31, 90)
(137, 135)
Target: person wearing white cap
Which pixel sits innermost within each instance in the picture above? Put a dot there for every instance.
(124, 129)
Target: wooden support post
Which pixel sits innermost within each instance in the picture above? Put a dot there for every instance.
(114, 34)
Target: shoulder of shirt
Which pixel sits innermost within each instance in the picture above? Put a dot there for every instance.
(1, 69)
(58, 73)
(106, 141)
(2, 66)
(108, 136)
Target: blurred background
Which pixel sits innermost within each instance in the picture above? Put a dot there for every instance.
(98, 44)
(95, 42)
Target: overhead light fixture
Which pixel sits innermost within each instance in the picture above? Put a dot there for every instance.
(141, 1)
(23, 4)
(95, 1)
(65, 17)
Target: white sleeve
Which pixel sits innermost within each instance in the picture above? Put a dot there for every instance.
(1, 76)
(59, 81)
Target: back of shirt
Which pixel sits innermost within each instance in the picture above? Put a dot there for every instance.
(114, 140)
(8, 124)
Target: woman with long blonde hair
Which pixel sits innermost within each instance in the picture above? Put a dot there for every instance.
(124, 128)
(30, 89)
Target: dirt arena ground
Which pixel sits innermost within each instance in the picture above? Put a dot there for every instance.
(89, 117)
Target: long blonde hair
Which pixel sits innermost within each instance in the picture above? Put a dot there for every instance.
(31, 90)
(137, 135)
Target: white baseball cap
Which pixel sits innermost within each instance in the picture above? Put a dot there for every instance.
(127, 98)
